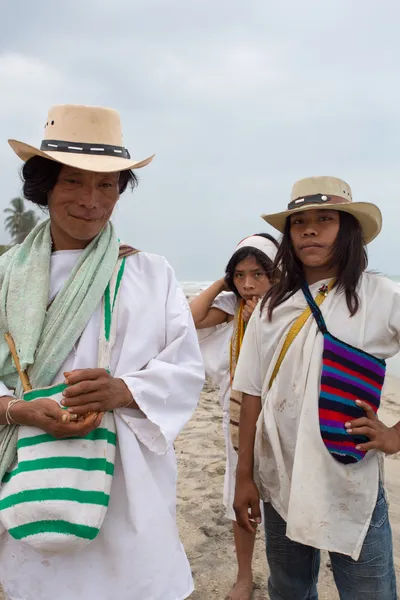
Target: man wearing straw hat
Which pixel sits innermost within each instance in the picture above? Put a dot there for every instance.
(99, 371)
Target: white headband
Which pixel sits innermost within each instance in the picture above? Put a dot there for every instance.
(261, 243)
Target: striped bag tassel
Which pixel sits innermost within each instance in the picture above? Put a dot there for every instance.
(348, 374)
(55, 498)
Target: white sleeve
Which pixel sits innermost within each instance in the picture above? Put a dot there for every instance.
(248, 371)
(4, 391)
(226, 301)
(394, 315)
(168, 387)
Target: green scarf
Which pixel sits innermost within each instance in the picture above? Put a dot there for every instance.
(44, 338)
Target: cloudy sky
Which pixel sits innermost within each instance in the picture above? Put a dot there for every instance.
(237, 99)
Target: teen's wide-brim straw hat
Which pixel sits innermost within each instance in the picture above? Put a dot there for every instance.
(85, 137)
(329, 193)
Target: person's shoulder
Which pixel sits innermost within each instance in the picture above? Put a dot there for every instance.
(151, 270)
(226, 301)
(378, 283)
(7, 257)
(146, 261)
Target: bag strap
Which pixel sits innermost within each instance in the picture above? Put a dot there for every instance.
(298, 326)
(125, 251)
(314, 306)
(109, 314)
(110, 302)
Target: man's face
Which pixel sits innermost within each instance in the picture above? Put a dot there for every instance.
(81, 203)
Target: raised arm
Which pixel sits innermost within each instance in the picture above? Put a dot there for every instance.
(204, 314)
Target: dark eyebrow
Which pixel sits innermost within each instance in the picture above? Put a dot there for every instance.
(75, 173)
(319, 211)
(251, 270)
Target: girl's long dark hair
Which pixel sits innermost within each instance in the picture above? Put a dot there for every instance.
(265, 263)
(349, 255)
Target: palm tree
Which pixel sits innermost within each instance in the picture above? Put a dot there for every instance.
(19, 221)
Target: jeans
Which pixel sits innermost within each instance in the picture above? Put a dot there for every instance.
(294, 567)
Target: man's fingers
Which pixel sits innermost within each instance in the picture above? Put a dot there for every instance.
(83, 387)
(84, 409)
(83, 400)
(77, 428)
(78, 375)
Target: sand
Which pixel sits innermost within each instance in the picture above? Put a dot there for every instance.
(205, 532)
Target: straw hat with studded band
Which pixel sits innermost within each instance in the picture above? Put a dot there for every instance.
(85, 137)
(329, 193)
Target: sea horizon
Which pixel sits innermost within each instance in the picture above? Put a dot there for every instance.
(194, 287)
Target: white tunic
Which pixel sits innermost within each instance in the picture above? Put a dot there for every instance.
(326, 505)
(137, 554)
(215, 348)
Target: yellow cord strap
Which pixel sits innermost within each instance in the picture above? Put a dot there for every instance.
(296, 328)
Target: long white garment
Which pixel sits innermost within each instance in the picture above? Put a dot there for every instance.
(215, 349)
(137, 554)
(326, 505)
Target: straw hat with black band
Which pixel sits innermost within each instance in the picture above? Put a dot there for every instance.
(85, 137)
(329, 193)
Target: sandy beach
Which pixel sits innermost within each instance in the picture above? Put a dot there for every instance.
(206, 533)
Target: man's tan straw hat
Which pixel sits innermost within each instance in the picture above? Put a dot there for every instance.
(329, 193)
(86, 137)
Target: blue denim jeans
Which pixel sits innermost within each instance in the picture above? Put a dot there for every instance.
(294, 567)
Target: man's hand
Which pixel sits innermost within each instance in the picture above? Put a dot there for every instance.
(249, 307)
(47, 415)
(95, 391)
(383, 438)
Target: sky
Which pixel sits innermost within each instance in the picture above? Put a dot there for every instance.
(238, 100)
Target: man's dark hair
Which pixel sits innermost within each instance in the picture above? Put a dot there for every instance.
(39, 176)
(349, 255)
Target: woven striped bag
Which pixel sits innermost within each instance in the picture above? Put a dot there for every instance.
(348, 374)
(55, 498)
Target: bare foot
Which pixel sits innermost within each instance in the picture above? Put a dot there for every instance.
(242, 590)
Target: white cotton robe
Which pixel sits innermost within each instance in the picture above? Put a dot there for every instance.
(215, 349)
(137, 554)
(326, 504)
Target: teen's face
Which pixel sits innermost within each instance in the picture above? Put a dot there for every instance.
(80, 204)
(250, 279)
(313, 234)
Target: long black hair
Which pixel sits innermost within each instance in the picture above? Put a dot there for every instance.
(39, 176)
(349, 255)
(265, 263)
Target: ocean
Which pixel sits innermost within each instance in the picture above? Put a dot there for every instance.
(192, 288)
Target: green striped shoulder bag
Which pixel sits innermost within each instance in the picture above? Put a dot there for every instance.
(55, 497)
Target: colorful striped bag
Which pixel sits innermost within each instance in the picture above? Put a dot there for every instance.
(348, 374)
(55, 498)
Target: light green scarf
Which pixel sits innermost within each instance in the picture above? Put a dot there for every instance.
(44, 338)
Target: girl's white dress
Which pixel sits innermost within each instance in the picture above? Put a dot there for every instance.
(215, 348)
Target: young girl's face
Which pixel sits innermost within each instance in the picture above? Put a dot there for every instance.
(313, 234)
(250, 279)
